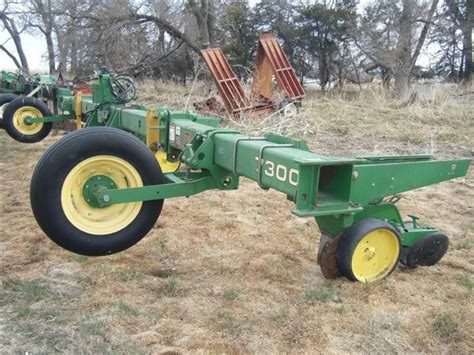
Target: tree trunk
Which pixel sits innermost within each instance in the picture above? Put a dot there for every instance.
(50, 45)
(323, 73)
(73, 54)
(205, 19)
(464, 22)
(15, 35)
(402, 72)
(467, 51)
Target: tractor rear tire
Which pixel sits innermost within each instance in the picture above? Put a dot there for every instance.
(14, 119)
(368, 251)
(5, 99)
(62, 174)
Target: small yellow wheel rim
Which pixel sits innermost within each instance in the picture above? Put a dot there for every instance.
(19, 120)
(99, 221)
(375, 255)
(166, 166)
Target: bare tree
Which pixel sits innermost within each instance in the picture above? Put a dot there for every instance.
(392, 38)
(204, 13)
(43, 19)
(462, 13)
(9, 22)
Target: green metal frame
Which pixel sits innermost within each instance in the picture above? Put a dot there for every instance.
(337, 192)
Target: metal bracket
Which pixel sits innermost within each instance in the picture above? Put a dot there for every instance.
(234, 162)
(35, 90)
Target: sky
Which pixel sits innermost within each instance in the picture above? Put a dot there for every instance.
(35, 50)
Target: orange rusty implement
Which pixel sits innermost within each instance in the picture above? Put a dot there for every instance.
(229, 86)
(272, 62)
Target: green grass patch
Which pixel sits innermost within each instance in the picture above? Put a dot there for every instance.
(124, 308)
(226, 322)
(231, 294)
(282, 315)
(93, 328)
(465, 280)
(320, 293)
(32, 290)
(161, 242)
(173, 287)
(465, 244)
(446, 325)
(128, 274)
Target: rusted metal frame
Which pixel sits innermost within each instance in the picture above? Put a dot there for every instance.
(239, 103)
(213, 66)
(283, 63)
(242, 100)
(275, 61)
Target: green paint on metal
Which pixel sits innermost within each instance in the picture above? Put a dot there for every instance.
(180, 186)
(92, 187)
(373, 181)
(337, 192)
(57, 118)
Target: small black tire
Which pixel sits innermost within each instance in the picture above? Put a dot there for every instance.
(101, 146)
(368, 251)
(425, 252)
(5, 99)
(17, 111)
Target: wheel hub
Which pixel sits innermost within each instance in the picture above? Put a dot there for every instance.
(370, 252)
(22, 123)
(92, 187)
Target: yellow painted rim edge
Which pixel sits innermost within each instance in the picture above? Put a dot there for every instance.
(375, 255)
(99, 221)
(19, 120)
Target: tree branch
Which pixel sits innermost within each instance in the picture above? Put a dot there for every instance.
(8, 53)
(423, 34)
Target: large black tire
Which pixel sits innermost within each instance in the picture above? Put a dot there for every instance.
(17, 111)
(57, 164)
(5, 99)
(365, 256)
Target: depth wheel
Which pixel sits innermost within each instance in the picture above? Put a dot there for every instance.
(14, 120)
(5, 99)
(425, 252)
(368, 251)
(81, 163)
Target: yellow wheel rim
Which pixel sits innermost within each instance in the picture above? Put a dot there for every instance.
(166, 166)
(19, 120)
(99, 221)
(375, 255)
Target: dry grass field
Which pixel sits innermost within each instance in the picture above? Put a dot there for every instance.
(228, 272)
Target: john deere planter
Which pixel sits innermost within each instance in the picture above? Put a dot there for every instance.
(25, 112)
(15, 85)
(100, 190)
